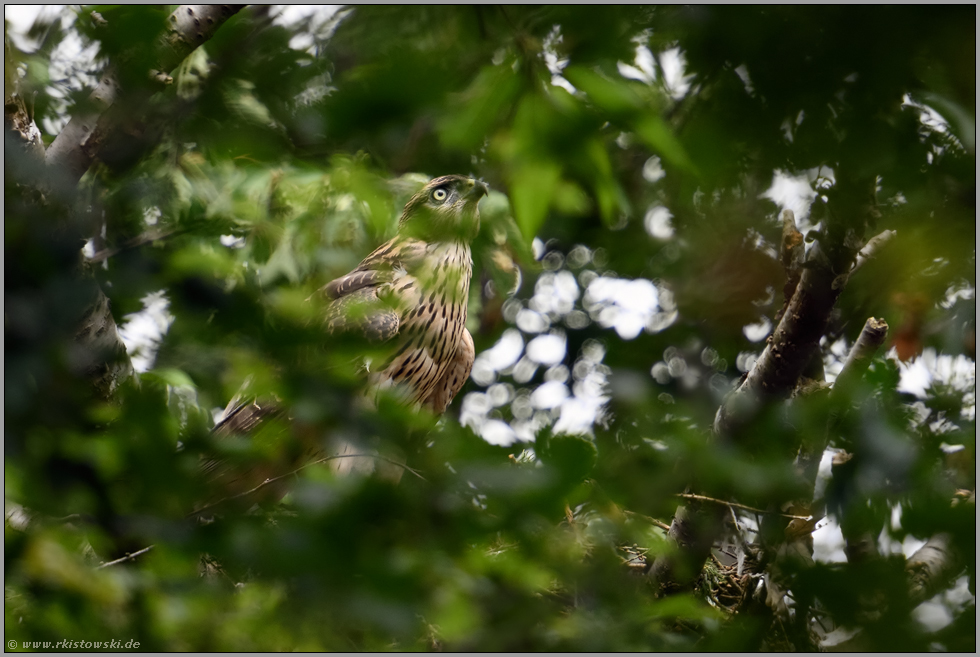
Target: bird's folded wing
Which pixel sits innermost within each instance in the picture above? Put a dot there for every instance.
(361, 299)
(364, 312)
(354, 281)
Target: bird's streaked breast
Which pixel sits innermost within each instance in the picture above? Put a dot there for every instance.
(432, 299)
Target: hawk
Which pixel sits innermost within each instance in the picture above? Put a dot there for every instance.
(414, 289)
(411, 292)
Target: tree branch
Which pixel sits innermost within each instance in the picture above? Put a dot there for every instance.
(790, 348)
(874, 245)
(872, 336)
(138, 241)
(129, 557)
(773, 377)
(934, 565)
(735, 505)
(869, 341)
(77, 146)
(859, 544)
(97, 350)
(17, 119)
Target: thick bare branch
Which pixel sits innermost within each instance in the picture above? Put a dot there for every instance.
(77, 146)
(872, 336)
(790, 347)
(774, 377)
(792, 253)
(932, 568)
(794, 342)
(97, 350)
(859, 543)
(74, 149)
(17, 120)
(693, 529)
(872, 247)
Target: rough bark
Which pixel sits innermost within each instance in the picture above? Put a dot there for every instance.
(872, 247)
(872, 336)
(928, 572)
(77, 146)
(932, 568)
(789, 350)
(97, 350)
(790, 347)
(693, 530)
(774, 377)
(18, 121)
(860, 545)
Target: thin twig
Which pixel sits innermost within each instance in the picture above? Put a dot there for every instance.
(129, 557)
(139, 240)
(652, 521)
(302, 467)
(702, 498)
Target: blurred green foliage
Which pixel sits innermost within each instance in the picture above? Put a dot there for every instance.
(282, 154)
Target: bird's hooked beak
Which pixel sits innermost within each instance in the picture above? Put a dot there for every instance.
(470, 219)
(477, 188)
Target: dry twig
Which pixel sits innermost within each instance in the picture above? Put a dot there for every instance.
(703, 498)
(129, 557)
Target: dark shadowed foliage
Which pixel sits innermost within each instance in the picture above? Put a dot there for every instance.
(630, 271)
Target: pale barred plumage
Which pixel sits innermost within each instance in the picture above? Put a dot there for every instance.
(416, 287)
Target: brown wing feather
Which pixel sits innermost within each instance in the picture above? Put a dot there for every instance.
(354, 281)
(374, 270)
(357, 304)
(363, 311)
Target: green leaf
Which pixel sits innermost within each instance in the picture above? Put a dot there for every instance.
(610, 196)
(532, 186)
(612, 96)
(282, 262)
(479, 109)
(170, 376)
(681, 606)
(656, 134)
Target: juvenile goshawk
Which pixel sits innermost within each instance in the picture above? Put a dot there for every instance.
(414, 289)
(411, 292)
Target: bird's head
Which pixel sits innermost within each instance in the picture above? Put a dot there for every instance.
(445, 209)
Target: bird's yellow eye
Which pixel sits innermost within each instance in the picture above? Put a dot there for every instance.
(440, 195)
